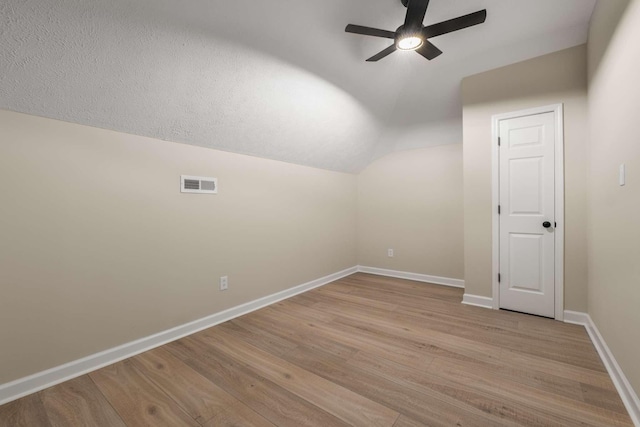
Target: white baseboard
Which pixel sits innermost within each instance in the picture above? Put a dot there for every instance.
(456, 283)
(576, 317)
(627, 393)
(41, 380)
(478, 301)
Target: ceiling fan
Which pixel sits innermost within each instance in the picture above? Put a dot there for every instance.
(412, 35)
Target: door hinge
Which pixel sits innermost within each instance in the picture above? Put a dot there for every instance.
(499, 141)
(499, 277)
(499, 209)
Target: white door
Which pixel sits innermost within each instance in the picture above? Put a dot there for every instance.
(527, 210)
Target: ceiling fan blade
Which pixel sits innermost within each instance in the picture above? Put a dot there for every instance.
(416, 9)
(368, 31)
(455, 24)
(382, 54)
(428, 50)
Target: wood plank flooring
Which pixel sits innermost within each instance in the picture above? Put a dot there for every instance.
(362, 351)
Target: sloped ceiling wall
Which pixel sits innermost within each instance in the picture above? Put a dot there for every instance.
(276, 79)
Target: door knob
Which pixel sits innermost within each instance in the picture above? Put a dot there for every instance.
(546, 224)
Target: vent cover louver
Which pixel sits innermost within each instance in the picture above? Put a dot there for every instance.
(198, 184)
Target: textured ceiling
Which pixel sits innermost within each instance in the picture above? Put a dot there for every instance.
(275, 78)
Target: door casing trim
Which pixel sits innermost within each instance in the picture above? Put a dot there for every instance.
(558, 110)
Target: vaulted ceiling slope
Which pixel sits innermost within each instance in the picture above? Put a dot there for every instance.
(278, 79)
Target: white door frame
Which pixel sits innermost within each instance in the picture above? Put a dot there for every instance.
(558, 111)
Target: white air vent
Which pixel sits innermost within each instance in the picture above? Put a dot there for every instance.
(198, 184)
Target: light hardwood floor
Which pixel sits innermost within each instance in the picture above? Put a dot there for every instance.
(363, 351)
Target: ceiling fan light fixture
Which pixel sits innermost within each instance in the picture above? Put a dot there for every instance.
(409, 42)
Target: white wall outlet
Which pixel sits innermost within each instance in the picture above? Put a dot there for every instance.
(224, 283)
(390, 253)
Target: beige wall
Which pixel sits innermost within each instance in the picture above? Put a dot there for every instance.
(411, 201)
(614, 211)
(559, 77)
(604, 22)
(99, 247)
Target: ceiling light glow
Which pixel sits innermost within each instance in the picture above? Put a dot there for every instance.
(409, 43)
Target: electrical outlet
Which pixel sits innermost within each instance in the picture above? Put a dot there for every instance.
(390, 253)
(224, 283)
